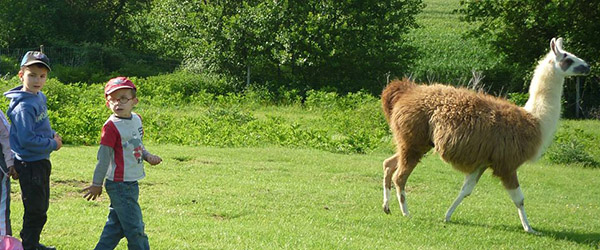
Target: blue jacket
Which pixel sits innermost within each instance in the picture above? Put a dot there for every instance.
(31, 137)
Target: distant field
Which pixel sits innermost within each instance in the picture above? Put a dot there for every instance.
(447, 55)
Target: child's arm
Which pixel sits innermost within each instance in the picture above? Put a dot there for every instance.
(150, 158)
(105, 153)
(27, 137)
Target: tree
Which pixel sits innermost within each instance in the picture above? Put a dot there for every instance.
(520, 31)
(29, 23)
(344, 45)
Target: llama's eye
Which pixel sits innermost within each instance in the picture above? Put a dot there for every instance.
(565, 55)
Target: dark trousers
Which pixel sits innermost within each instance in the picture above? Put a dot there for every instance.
(34, 178)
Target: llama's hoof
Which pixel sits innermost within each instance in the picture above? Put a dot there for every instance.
(386, 210)
(531, 231)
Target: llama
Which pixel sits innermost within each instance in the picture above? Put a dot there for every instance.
(474, 131)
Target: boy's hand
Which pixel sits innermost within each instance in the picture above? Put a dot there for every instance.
(58, 140)
(92, 192)
(12, 172)
(153, 159)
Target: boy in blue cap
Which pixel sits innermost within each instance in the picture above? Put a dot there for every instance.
(32, 140)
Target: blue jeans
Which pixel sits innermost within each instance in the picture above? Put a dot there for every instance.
(124, 217)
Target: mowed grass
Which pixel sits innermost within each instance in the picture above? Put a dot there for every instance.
(278, 198)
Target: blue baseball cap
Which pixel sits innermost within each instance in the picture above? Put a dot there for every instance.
(33, 57)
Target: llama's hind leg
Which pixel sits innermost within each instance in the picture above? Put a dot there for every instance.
(470, 182)
(389, 167)
(511, 183)
(406, 164)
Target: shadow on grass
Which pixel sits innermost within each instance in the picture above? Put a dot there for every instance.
(588, 239)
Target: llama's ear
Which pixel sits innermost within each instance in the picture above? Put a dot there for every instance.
(559, 43)
(553, 46)
(556, 46)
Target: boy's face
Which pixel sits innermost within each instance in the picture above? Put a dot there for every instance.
(121, 102)
(33, 78)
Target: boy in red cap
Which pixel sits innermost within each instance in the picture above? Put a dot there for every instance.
(121, 162)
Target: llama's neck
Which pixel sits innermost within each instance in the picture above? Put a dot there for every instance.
(545, 92)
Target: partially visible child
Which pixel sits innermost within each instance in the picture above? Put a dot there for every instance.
(32, 140)
(121, 162)
(6, 163)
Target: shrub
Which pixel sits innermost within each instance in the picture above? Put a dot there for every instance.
(183, 83)
(88, 73)
(8, 65)
(571, 146)
(518, 98)
(569, 152)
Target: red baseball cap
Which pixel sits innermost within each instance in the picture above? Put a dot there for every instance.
(116, 83)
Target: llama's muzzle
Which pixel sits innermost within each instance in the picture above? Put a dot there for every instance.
(582, 69)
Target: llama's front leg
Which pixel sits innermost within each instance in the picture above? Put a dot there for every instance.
(389, 167)
(518, 198)
(467, 188)
(511, 183)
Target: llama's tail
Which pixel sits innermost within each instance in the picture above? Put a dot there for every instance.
(392, 92)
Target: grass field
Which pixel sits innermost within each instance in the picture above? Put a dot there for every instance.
(448, 55)
(277, 198)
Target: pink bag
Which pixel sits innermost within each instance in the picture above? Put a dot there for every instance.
(10, 243)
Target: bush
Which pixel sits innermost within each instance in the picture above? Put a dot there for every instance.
(571, 146)
(8, 65)
(520, 99)
(88, 73)
(183, 84)
(570, 152)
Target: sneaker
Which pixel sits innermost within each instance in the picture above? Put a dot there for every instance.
(42, 247)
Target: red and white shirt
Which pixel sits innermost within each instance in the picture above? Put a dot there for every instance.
(121, 154)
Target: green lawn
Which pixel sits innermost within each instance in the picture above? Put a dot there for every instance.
(278, 198)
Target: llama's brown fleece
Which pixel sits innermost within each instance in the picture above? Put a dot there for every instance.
(468, 129)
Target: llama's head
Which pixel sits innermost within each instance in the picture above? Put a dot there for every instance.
(567, 63)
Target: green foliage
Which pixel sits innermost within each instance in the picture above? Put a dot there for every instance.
(572, 146)
(74, 74)
(519, 32)
(192, 109)
(344, 45)
(571, 152)
(338, 130)
(95, 63)
(8, 66)
(520, 99)
(183, 85)
(27, 23)
(77, 112)
(85, 40)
